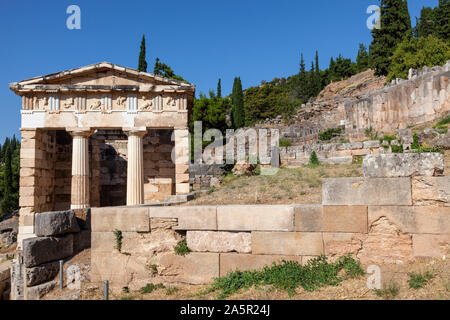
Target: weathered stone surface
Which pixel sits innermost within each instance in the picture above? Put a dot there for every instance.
(211, 241)
(5, 271)
(189, 218)
(308, 218)
(345, 219)
(230, 262)
(366, 191)
(37, 292)
(371, 144)
(431, 191)
(255, 218)
(403, 165)
(81, 241)
(385, 243)
(431, 245)
(55, 223)
(341, 244)
(42, 273)
(45, 249)
(431, 220)
(120, 218)
(287, 243)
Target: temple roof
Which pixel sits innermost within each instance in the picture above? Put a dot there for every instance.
(96, 76)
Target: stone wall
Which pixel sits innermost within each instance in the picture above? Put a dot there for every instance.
(424, 97)
(376, 219)
(5, 280)
(59, 236)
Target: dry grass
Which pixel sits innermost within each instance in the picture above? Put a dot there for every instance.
(289, 186)
(353, 289)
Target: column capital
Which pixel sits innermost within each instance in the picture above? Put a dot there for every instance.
(137, 131)
(80, 132)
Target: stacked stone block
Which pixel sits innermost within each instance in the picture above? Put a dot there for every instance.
(375, 219)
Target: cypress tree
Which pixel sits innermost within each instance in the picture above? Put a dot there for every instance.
(317, 80)
(426, 24)
(237, 100)
(142, 62)
(362, 60)
(219, 89)
(395, 26)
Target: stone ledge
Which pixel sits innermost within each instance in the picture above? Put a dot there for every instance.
(121, 218)
(255, 218)
(367, 191)
(189, 218)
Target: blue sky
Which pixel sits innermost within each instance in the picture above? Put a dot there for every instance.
(201, 40)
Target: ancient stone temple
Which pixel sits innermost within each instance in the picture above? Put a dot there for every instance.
(101, 135)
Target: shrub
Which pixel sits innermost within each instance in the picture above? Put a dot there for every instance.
(397, 149)
(289, 275)
(328, 134)
(149, 288)
(417, 281)
(284, 142)
(415, 144)
(181, 248)
(416, 54)
(118, 237)
(388, 292)
(444, 121)
(313, 159)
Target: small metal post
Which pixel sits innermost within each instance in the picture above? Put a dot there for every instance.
(105, 289)
(61, 278)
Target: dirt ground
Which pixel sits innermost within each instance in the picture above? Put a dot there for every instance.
(437, 288)
(289, 186)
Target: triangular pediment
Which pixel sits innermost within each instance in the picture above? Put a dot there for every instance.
(101, 74)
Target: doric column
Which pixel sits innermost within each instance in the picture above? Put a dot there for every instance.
(135, 166)
(80, 168)
(181, 160)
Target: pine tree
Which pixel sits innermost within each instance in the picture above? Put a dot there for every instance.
(362, 60)
(237, 100)
(142, 63)
(443, 19)
(426, 24)
(219, 89)
(395, 26)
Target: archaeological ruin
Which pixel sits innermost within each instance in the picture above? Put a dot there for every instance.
(101, 135)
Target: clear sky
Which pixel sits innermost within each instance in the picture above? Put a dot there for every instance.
(202, 40)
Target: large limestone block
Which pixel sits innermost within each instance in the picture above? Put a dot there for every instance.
(193, 268)
(403, 165)
(429, 191)
(287, 243)
(37, 292)
(211, 241)
(337, 244)
(308, 218)
(55, 223)
(37, 251)
(189, 218)
(120, 218)
(431, 220)
(366, 191)
(255, 218)
(230, 262)
(42, 273)
(81, 241)
(345, 219)
(431, 245)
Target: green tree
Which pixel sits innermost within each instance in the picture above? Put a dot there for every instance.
(142, 62)
(395, 26)
(443, 20)
(237, 100)
(163, 70)
(362, 60)
(417, 53)
(219, 89)
(10, 197)
(426, 24)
